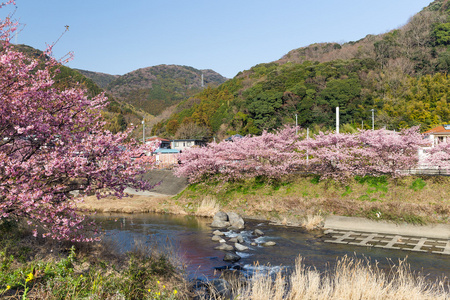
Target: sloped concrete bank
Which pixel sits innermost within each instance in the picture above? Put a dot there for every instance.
(436, 231)
(367, 233)
(157, 200)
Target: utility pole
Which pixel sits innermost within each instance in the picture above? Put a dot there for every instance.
(143, 130)
(307, 154)
(337, 119)
(373, 119)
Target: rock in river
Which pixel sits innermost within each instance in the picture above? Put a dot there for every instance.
(240, 247)
(220, 216)
(216, 238)
(269, 244)
(258, 232)
(237, 239)
(235, 220)
(220, 224)
(225, 247)
(220, 220)
(229, 256)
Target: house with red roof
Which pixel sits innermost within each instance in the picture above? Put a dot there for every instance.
(437, 135)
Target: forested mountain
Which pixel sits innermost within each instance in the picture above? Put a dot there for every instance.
(153, 89)
(402, 75)
(117, 114)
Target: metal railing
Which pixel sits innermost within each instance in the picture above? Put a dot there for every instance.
(427, 171)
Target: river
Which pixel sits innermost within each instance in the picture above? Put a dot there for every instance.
(189, 239)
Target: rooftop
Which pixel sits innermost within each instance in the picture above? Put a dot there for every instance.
(162, 150)
(155, 138)
(443, 129)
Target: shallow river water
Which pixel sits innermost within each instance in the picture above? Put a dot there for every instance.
(189, 238)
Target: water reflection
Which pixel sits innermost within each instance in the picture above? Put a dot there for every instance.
(190, 239)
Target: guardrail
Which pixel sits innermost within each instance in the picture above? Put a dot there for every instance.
(427, 171)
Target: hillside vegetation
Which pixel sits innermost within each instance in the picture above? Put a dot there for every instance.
(117, 114)
(101, 79)
(156, 88)
(401, 74)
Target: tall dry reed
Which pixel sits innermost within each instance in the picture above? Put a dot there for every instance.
(352, 278)
(208, 207)
(312, 222)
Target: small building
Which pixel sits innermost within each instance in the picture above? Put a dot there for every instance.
(165, 158)
(163, 143)
(182, 144)
(437, 135)
(432, 138)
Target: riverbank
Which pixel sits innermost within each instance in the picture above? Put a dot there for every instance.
(296, 200)
(48, 269)
(41, 268)
(157, 203)
(36, 268)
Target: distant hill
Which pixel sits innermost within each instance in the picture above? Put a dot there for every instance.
(118, 115)
(156, 88)
(101, 79)
(402, 75)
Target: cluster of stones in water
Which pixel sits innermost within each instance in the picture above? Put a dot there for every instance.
(233, 221)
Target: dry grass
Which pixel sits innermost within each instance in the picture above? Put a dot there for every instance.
(208, 207)
(312, 222)
(351, 279)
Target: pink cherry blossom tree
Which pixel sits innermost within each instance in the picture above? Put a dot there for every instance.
(368, 152)
(439, 156)
(271, 155)
(330, 155)
(52, 143)
(392, 152)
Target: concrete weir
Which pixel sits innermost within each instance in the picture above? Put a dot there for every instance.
(388, 235)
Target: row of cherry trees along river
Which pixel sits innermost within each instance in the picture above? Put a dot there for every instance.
(329, 155)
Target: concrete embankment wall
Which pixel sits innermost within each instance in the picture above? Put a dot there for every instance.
(170, 184)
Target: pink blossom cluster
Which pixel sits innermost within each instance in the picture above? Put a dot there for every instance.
(51, 144)
(439, 156)
(375, 153)
(271, 155)
(330, 155)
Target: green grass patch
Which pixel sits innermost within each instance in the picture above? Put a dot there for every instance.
(418, 184)
(315, 179)
(374, 184)
(367, 198)
(348, 191)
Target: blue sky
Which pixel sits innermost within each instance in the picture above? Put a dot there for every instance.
(228, 36)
